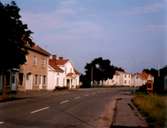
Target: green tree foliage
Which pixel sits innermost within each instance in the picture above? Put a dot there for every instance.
(14, 37)
(97, 70)
(14, 41)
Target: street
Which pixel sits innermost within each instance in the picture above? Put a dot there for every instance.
(82, 108)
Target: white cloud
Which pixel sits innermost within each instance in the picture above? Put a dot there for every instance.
(58, 26)
(146, 9)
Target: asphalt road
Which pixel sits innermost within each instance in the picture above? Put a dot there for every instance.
(81, 108)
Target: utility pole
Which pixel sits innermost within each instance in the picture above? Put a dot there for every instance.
(91, 75)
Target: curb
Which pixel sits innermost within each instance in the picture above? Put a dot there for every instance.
(107, 118)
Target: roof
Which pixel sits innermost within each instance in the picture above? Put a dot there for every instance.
(40, 50)
(53, 64)
(61, 61)
(76, 72)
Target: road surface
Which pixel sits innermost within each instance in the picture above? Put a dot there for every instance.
(81, 108)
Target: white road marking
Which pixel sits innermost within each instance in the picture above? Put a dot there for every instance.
(38, 110)
(1, 122)
(65, 101)
(87, 95)
(78, 97)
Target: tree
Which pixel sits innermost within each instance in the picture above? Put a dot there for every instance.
(98, 70)
(14, 38)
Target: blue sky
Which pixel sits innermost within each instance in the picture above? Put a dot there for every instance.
(131, 33)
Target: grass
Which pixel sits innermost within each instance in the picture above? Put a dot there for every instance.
(153, 107)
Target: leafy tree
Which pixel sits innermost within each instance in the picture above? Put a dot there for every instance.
(97, 70)
(15, 38)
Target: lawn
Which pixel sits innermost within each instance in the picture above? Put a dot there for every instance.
(154, 108)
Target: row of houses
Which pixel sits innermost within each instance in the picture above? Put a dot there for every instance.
(121, 78)
(42, 71)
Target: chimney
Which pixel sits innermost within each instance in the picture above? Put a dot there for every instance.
(61, 58)
(54, 57)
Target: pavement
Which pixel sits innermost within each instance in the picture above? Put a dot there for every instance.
(126, 114)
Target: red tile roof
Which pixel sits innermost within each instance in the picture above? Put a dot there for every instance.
(40, 50)
(61, 61)
(52, 63)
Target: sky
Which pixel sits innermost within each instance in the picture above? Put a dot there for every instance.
(131, 33)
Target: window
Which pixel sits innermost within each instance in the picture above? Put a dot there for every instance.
(44, 79)
(26, 60)
(13, 79)
(34, 60)
(27, 76)
(36, 79)
(44, 62)
(57, 81)
(20, 78)
(39, 79)
(125, 81)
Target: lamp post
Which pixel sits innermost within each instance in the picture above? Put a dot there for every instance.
(91, 76)
(92, 73)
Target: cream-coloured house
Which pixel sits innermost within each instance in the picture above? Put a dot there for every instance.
(119, 79)
(61, 73)
(33, 74)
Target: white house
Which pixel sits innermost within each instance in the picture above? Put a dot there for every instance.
(61, 73)
(55, 77)
(119, 79)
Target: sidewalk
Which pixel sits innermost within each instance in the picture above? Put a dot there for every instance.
(126, 115)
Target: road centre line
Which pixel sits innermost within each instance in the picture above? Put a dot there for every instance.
(1, 122)
(87, 95)
(65, 101)
(38, 110)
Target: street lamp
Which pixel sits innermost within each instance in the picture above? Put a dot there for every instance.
(92, 77)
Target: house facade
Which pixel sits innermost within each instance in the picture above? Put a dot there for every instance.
(119, 79)
(139, 79)
(62, 73)
(11, 80)
(33, 74)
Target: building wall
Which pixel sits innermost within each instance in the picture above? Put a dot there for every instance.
(55, 79)
(71, 82)
(119, 79)
(11, 80)
(33, 74)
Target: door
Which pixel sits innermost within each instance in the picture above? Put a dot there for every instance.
(29, 82)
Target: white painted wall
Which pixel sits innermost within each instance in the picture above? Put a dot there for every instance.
(55, 79)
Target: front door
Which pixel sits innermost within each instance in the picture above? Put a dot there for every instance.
(29, 82)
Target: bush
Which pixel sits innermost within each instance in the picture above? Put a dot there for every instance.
(60, 88)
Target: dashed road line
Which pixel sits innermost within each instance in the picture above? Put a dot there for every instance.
(65, 101)
(38, 110)
(1, 122)
(78, 97)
